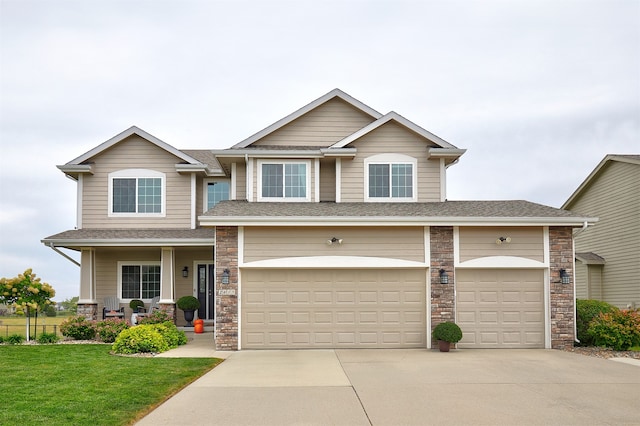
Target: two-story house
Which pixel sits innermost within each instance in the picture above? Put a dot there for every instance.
(328, 229)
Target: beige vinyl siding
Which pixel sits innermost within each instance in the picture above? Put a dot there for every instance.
(200, 196)
(135, 153)
(328, 179)
(323, 126)
(262, 243)
(526, 242)
(582, 280)
(241, 181)
(390, 138)
(614, 197)
(185, 257)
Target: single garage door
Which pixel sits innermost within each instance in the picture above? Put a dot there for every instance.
(305, 308)
(501, 308)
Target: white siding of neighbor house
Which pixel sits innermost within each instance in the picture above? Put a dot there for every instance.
(395, 139)
(614, 197)
(135, 153)
(262, 243)
(322, 126)
(477, 242)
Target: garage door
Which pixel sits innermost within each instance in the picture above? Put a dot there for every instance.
(500, 308)
(333, 309)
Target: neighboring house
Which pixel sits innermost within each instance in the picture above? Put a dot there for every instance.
(337, 233)
(608, 254)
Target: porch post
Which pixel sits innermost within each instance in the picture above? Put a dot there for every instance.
(168, 281)
(88, 302)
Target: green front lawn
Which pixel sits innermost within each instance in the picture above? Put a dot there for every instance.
(83, 384)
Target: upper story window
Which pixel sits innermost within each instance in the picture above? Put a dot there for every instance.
(216, 191)
(136, 192)
(390, 177)
(284, 181)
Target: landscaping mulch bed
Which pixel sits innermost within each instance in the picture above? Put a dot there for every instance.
(603, 352)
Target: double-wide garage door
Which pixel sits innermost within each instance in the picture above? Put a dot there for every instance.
(302, 308)
(500, 308)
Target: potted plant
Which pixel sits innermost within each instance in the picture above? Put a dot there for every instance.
(446, 333)
(136, 304)
(188, 304)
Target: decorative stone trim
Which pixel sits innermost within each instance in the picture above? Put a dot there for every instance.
(88, 310)
(442, 295)
(561, 295)
(226, 334)
(170, 309)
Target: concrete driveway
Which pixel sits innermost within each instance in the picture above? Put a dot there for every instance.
(408, 387)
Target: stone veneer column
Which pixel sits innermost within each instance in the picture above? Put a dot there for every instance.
(170, 309)
(561, 295)
(442, 295)
(226, 336)
(89, 311)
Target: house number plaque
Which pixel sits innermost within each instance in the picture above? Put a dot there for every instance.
(227, 292)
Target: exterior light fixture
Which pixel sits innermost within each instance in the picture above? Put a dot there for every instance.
(501, 240)
(444, 278)
(334, 240)
(225, 276)
(564, 276)
(185, 272)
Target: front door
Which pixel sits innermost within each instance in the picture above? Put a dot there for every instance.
(206, 291)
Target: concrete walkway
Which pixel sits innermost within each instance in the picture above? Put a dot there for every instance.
(407, 387)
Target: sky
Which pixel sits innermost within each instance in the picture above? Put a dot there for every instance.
(536, 91)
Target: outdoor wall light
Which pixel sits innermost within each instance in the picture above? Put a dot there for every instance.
(501, 240)
(564, 277)
(334, 240)
(185, 272)
(225, 276)
(444, 278)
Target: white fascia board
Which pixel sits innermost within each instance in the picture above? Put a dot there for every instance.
(269, 153)
(389, 221)
(191, 168)
(207, 242)
(125, 134)
(305, 109)
(445, 152)
(76, 168)
(339, 152)
(334, 262)
(400, 120)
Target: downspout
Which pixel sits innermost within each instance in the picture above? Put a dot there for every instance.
(54, 248)
(575, 305)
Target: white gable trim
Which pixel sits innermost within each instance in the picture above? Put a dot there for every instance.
(305, 109)
(398, 119)
(133, 130)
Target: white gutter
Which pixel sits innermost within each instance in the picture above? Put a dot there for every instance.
(54, 248)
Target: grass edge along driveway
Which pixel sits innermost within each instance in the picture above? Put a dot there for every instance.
(84, 384)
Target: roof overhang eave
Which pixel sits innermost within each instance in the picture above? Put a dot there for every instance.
(143, 242)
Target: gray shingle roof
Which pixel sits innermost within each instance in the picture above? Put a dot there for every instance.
(132, 236)
(448, 209)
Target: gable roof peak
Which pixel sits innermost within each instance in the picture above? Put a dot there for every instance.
(335, 93)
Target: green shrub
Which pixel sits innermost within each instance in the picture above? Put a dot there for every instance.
(109, 329)
(1, 340)
(448, 332)
(143, 338)
(619, 330)
(46, 338)
(171, 334)
(188, 303)
(50, 311)
(15, 339)
(135, 304)
(78, 328)
(157, 317)
(587, 310)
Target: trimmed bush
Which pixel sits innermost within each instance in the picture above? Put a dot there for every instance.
(78, 328)
(1, 340)
(448, 332)
(171, 334)
(109, 329)
(188, 303)
(140, 339)
(47, 338)
(619, 330)
(135, 304)
(157, 317)
(50, 311)
(587, 310)
(15, 339)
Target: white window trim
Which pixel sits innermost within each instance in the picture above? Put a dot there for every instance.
(135, 263)
(285, 199)
(205, 193)
(137, 173)
(391, 159)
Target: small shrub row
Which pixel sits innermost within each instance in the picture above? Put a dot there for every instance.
(149, 338)
(587, 310)
(79, 328)
(14, 339)
(618, 330)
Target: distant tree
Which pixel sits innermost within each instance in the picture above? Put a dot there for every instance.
(26, 293)
(71, 305)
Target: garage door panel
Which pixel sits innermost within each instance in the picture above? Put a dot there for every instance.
(500, 308)
(344, 308)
